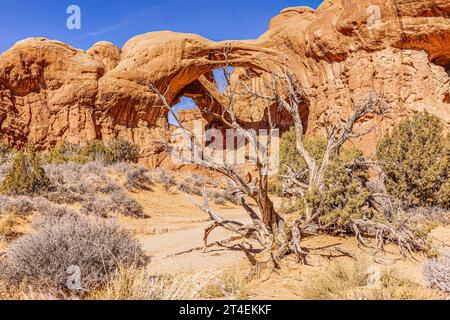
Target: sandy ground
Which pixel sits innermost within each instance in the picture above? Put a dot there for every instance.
(172, 235)
(173, 230)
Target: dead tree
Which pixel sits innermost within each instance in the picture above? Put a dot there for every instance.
(266, 225)
(337, 136)
(275, 235)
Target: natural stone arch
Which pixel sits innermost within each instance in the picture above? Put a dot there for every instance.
(51, 92)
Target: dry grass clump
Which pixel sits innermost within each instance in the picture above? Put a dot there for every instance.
(437, 273)
(353, 282)
(227, 284)
(133, 283)
(41, 260)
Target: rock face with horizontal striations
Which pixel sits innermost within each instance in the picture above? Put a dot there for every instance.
(51, 92)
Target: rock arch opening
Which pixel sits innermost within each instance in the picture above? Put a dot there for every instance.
(205, 98)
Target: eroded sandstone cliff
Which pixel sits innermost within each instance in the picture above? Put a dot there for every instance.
(51, 92)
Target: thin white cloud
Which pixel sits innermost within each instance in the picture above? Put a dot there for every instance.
(106, 29)
(119, 25)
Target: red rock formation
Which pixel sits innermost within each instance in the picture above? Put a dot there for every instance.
(51, 92)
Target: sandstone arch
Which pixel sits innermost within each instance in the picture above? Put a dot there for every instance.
(51, 92)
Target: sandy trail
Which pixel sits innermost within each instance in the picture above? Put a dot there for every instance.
(173, 233)
(178, 251)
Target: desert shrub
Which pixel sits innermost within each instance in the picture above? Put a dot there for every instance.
(230, 194)
(117, 150)
(18, 205)
(291, 206)
(219, 199)
(188, 187)
(443, 195)
(41, 260)
(198, 180)
(344, 196)
(121, 150)
(63, 153)
(94, 151)
(126, 205)
(165, 178)
(72, 182)
(388, 205)
(351, 282)
(138, 178)
(45, 208)
(25, 175)
(289, 156)
(4, 166)
(437, 273)
(122, 167)
(98, 207)
(89, 185)
(316, 146)
(432, 214)
(23, 206)
(415, 158)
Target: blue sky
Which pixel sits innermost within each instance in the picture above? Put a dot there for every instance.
(119, 20)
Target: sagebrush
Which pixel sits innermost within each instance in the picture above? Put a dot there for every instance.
(437, 273)
(41, 260)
